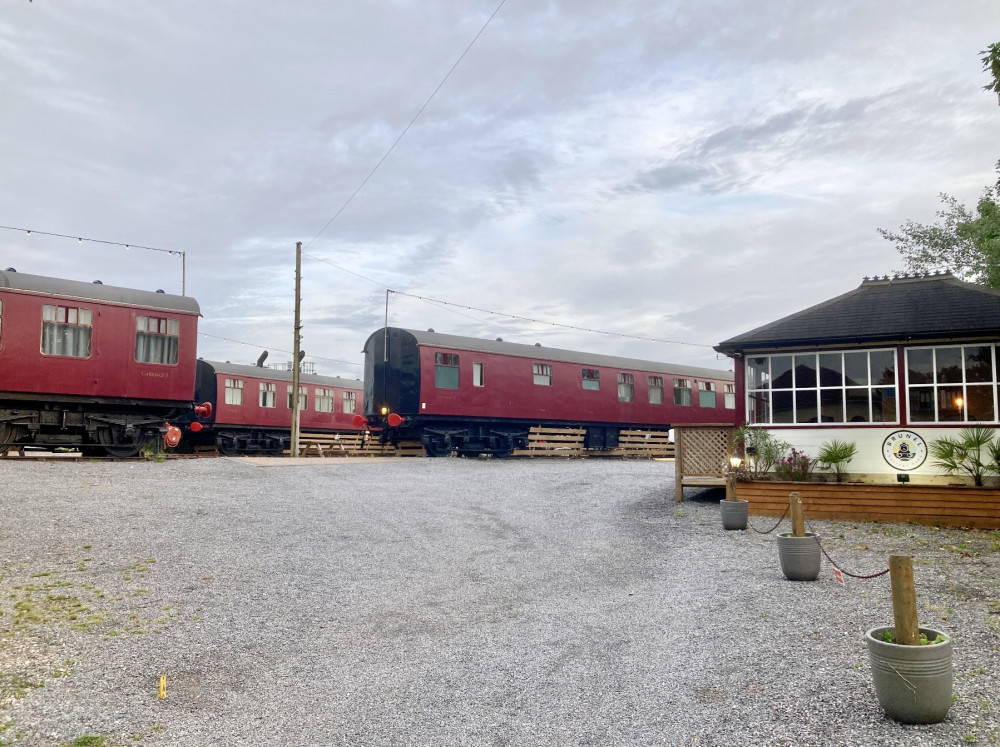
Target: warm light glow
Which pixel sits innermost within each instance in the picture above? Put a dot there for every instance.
(385, 410)
(735, 461)
(959, 402)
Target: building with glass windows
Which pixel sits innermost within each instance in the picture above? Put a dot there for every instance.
(891, 366)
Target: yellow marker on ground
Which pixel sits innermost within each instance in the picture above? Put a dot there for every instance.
(163, 686)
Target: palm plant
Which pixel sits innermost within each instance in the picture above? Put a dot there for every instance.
(836, 454)
(965, 455)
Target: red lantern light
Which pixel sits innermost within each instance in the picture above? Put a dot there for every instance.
(195, 427)
(395, 420)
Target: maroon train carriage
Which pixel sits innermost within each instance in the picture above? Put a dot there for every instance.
(91, 365)
(481, 397)
(251, 407)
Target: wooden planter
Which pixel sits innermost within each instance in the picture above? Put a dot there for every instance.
(934, 505)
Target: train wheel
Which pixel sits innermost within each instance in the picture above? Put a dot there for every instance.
(118, 442)
(6, 435)
(504, 448)
(438, 448)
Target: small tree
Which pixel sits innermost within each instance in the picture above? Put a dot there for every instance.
(836, 455)
(991, 64)
(761, 448)
(965, 454)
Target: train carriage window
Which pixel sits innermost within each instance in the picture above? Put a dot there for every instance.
(350, 403)
(706, 394)
(655, 386)
(446, 370)
(591, 378)
(324, 400)
(626, 387)
(66, 331)
(682, 392)
(478, 374)
(234, 391)
(268, 394)
(729, 396)
(156, 340)
(542, 373)
(303, 398)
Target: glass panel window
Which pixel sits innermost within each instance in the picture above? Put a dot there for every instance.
(156, 340)
(626, 387)
(303, 398)
(591, 378)
(478, 374)
(655, 387)
(682, 392)
(66, 331)
(729, 395)
(952, 384)
(446, 370)
(324, 400)
(268, 394)
(234, 391)
(827, 387)
(706, 394)
(542, 373)
(350, 402)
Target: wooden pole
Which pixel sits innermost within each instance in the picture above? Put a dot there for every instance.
(295, 351)
(731, 485)
(679, 465)
(798, 518)
(904, 600)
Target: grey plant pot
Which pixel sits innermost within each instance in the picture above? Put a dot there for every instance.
(913, 683)
(799, 556)
(734, 513)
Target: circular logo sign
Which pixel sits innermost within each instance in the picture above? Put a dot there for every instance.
(904, 450)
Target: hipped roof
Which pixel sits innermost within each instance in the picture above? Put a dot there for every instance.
(884, 310)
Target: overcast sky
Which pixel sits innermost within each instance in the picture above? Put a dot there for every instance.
(683, 171)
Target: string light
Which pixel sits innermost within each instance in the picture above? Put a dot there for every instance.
(128, 247)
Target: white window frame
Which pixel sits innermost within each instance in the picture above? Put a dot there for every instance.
(955, 392)
(324, 399)
(542, 374)
(234, 392)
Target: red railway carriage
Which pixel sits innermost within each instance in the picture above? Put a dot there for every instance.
(90, 364)
(481, 397)
(252, 406)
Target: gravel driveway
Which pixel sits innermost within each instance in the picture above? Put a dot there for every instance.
(452, 602)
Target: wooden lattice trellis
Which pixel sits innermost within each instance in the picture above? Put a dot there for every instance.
(702, 456)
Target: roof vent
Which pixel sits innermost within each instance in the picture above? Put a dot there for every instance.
(499, 339)
(98, 282)
(160, 290)
(10, 269)
(430, 329)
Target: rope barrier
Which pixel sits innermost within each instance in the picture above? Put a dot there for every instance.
(827, 556)
(755, 529)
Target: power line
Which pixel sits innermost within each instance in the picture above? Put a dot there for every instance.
(407, 128)
(503, 314)
(277, 350)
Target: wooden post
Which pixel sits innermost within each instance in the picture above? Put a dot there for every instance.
(731, 485)
(798, 518)
(904, 600)
(679, 465)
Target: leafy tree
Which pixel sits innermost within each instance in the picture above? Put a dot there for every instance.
(991, 64)
(965, 243)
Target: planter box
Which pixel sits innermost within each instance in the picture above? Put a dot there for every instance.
(934, 505)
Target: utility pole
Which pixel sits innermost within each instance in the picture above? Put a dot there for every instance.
(295, 350)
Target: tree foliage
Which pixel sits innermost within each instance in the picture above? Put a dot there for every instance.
(963, 242)
(991, 64)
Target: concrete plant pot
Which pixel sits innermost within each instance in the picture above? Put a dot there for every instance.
(913, 683)
(799, 556)
(734, 513)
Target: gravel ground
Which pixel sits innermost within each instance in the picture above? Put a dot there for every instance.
(452, 602)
